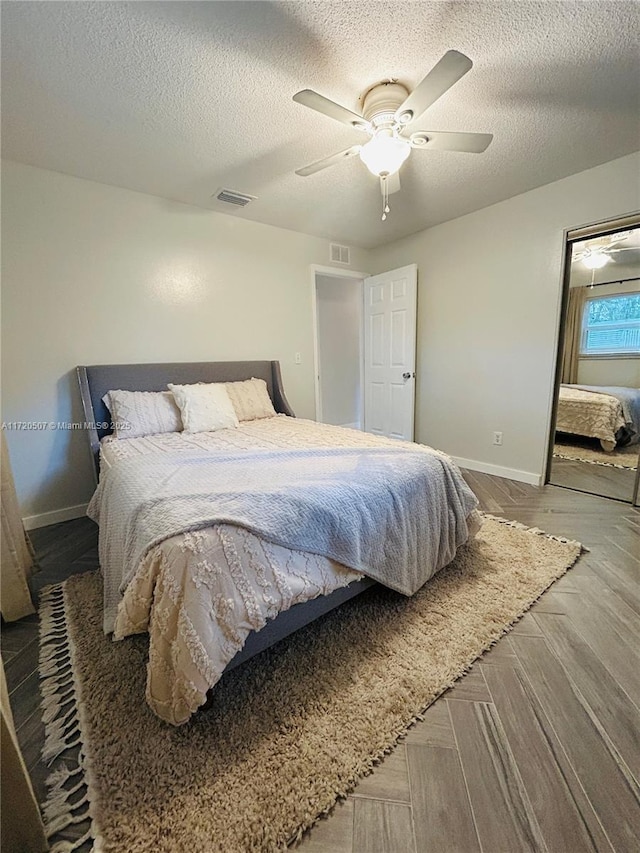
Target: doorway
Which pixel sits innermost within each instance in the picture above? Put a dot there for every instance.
(337, 304)
(365, 331)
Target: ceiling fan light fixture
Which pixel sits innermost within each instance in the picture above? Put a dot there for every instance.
(595, 260)
(384, 154)
(387, 110)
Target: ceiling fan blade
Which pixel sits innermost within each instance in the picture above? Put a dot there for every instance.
(393, 184)
(473, 143)
(442, 76)
(620, 237)
(328, 161)
(311, 99)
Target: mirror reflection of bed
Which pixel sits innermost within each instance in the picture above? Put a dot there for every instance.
(597, 430)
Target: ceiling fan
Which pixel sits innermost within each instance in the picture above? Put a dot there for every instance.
(597, 252)
(387, 111)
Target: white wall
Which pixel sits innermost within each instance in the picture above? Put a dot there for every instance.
(488, 310)
(339, 317)
(609, 371)
(95, 274)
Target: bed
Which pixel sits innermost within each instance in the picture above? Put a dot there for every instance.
(609, 414)
(219, 544)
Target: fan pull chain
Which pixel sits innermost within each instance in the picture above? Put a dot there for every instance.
(385, 197)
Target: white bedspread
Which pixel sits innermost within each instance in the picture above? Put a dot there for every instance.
(586, 413)
(199, 585)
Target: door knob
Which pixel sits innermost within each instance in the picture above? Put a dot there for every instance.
(406, 376)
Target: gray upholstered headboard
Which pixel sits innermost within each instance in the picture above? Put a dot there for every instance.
(97, 379)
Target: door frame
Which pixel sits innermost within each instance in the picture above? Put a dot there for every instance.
(332, 272)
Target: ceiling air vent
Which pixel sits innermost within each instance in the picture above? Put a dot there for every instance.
(232, 197)
(340, 254)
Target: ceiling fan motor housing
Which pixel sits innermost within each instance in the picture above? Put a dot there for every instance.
(380, 103)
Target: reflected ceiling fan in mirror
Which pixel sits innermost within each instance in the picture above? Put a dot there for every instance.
(388, 109)
(595, 253)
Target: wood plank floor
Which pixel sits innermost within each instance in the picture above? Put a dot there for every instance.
(602, 480)
(536, 749)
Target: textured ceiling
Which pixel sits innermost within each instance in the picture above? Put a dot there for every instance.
(178, 99)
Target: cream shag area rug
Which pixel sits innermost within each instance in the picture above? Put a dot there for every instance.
(290, 731)
(620, 457)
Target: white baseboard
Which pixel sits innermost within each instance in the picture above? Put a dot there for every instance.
(499, 471)
(31, 522)
(352, 426)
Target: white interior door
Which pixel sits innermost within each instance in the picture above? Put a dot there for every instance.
(390, 302)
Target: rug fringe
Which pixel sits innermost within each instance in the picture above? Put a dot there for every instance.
(69, 846)
(517, 525)
(55, 781)
(593, 462)
(61, 712)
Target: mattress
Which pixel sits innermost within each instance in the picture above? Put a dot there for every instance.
(200, 593)
(590, 414)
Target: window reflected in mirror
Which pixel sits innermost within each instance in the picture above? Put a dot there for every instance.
(597, 427)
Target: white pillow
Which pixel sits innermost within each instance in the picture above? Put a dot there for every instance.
(137, 413)
(251, 399)
(204, 407)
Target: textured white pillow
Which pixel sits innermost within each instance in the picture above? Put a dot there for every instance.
(136, 413)
(204, 407)
(251, 399)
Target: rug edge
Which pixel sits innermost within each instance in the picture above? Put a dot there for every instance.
(63, 719)
(594, 462)
(518, 525)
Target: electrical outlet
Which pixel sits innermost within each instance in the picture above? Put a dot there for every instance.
(497, 438)
(298, 358)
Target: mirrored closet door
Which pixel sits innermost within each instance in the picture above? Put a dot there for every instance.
(596, 439)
